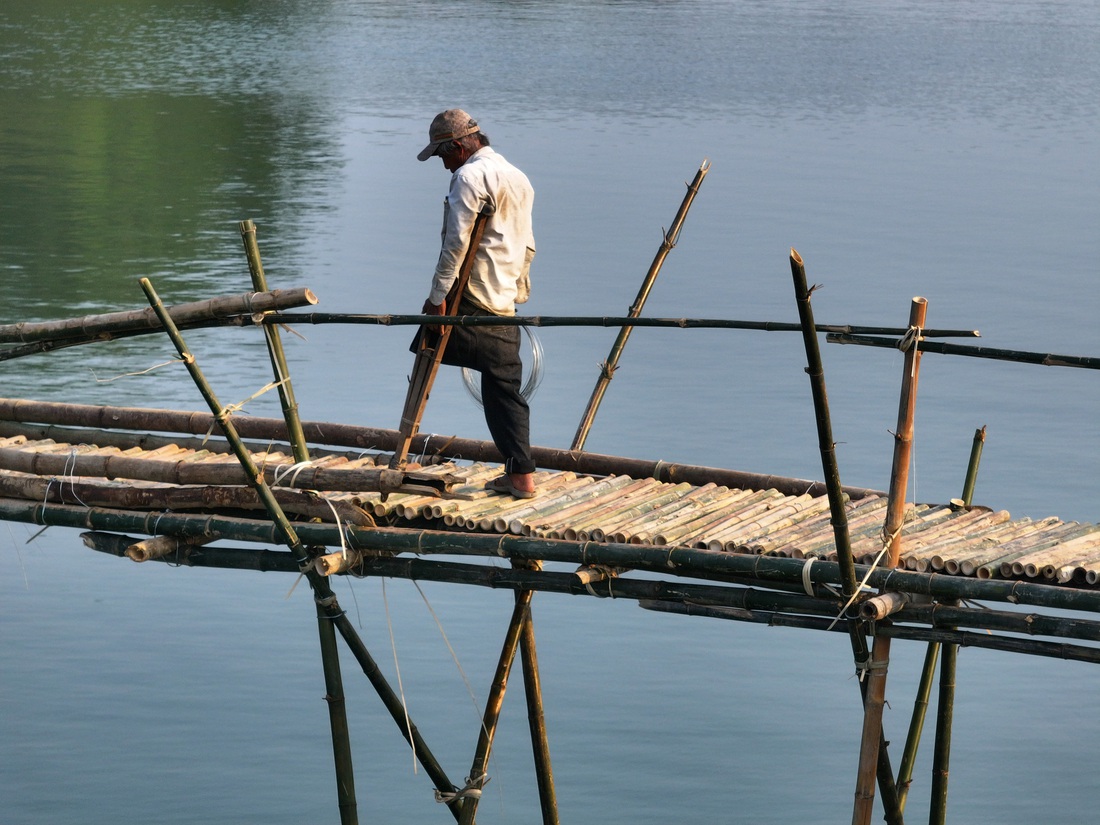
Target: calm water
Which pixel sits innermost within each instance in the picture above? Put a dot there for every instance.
(940, 149)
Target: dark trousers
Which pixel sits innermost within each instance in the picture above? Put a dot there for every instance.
(494, 352)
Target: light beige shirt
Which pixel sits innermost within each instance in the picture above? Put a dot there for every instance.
(500, 275)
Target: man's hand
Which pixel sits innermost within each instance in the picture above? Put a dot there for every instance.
(432, 309)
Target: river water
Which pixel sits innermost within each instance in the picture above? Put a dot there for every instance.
(938, 149)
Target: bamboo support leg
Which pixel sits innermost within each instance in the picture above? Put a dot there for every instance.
(916, 724)
(532, 685)
(338, 721)
(941, 758)
(493, 704)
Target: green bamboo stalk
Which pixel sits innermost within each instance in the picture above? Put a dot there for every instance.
(972, 467)
(275, 347)
(607, 369)
(916, 723)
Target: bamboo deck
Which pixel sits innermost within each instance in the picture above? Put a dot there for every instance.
(970, 542)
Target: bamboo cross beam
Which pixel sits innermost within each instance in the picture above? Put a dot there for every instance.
(430, 349)
(211, 309)
(1045, 359)
(389, 320)
(674, 561)
(607, 369)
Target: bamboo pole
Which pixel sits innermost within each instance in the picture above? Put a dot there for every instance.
(874, 760)
(972, 467)
(872, 739)
(89, 326)
(429, 353)
(916, 723)
(608, 367)
(390, 320)
(941, 756)
(536, 718)
(275, 347)
(1046, 359)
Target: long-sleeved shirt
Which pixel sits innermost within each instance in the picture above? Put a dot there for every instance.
(499, 278)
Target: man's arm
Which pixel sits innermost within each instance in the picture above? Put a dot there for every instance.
(464, 203)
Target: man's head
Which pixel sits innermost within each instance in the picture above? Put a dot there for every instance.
(454, 136)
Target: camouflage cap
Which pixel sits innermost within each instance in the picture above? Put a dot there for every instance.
(449, 125)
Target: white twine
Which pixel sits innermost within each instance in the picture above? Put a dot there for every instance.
(471, 790)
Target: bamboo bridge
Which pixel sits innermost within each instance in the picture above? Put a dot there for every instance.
(218, 490)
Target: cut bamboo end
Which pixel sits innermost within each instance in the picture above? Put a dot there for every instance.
(333, 563)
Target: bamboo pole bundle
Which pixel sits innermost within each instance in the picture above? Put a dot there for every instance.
(767, 527)
(583, 496)
(579, 490)
(865, 517)
(927, 541)
(557, 486)
(700, 503)
(678, 561)
(1031, 531)
(687, 527)
(730, 524)
(619, 525)
(427, 445)
(89, 326)
(551, 524)
(991, 560)
(610, 514)
(110, 463)
(994, 536)
(1034, 565)
(1019, 565)
(694, 525)
(638, 531)
(502, 507)
(993, 526)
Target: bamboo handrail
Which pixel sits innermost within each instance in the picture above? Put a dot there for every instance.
(210, 309)
(1046, 359)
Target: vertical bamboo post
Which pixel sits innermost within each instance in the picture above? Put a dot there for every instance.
(903, 437)
(941, 754)
(609, 366)
(536, 719)
(895, 516)
(330, 654)
(493, 704)
(838, 515)
(931, 656)
(275, 347)
(916, 723)
(972, 468)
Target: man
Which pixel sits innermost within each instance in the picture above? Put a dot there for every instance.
(482, 179)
